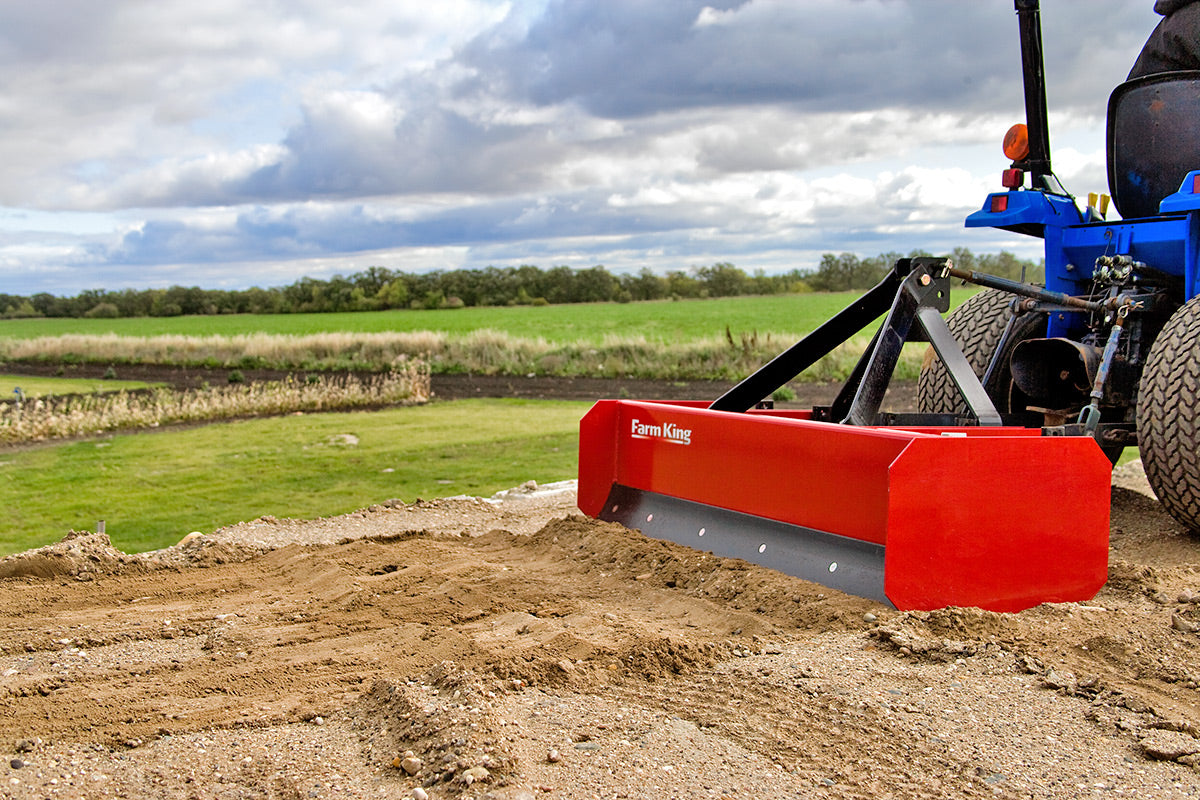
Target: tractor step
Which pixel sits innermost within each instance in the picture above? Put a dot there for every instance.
(997, 517)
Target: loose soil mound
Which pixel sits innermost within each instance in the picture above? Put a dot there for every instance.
(509, 648)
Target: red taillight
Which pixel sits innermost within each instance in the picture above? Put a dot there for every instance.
(999, 203)
(1196, 184)
(1012, 178)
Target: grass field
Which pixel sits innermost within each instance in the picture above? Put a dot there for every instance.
(716, 339)
(40, 387)
(662, 320)
(153, 488)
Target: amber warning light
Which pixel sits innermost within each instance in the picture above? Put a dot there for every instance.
(1016, 142)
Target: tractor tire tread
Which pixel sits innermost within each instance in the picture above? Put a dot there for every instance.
(1168, 415)
(977, 326)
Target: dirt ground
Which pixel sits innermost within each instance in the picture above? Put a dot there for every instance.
(509, 648)
(458, 386)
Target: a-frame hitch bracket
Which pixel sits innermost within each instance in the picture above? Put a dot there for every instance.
(914, 296)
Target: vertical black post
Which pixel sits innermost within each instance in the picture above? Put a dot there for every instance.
(1037, 163)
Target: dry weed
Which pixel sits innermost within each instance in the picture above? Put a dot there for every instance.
(77, 415)
(486, 352)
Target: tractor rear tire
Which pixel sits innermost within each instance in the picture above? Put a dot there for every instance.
(977, 325)
(1168, 415)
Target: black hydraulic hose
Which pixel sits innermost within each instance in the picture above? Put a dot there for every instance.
(1035, 292)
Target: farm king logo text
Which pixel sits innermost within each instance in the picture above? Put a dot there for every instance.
(667, 431)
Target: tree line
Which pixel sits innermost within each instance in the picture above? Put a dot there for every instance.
(378, 288)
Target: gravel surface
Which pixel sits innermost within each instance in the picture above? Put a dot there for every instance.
(508, 648)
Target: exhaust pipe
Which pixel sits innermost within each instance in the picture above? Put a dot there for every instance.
(1055, 374)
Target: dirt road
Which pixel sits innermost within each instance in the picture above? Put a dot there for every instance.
(509, 649)
(461, 385)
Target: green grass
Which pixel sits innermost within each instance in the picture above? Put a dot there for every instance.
(153, 488)
(1127, 455)
(720, 338)
(662, 320)
(40, 387)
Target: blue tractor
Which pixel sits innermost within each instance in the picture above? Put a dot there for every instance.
(1109, 348)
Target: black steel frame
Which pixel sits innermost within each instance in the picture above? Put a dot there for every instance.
(914, 295)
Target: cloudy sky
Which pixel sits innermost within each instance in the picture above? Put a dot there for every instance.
(230, 143)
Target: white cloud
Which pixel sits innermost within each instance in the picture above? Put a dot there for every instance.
(311, 136)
